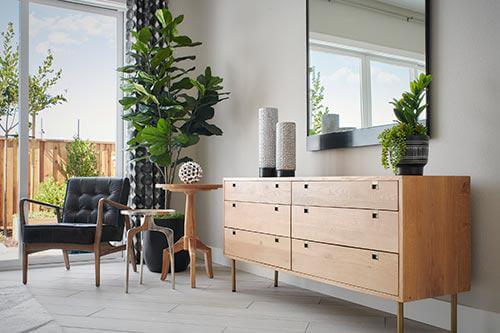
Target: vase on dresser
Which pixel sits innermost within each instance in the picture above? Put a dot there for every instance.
(268, 118)
(285, 149)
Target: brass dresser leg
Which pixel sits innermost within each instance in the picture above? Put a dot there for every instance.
(400, 318)
(453, 304)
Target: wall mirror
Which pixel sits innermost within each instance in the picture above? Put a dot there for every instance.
(361, 55)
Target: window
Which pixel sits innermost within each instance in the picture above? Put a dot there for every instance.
(357, 84)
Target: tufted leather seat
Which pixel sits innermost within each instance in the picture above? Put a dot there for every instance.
(78, 225)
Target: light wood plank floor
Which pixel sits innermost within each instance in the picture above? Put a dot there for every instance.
(78, 306)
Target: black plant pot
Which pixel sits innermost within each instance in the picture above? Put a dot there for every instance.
(417, 153)
(155, 242)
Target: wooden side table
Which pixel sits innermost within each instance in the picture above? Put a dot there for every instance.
(190, 242)
(148, 223)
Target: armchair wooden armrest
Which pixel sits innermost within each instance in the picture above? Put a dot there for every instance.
(100, 217)
(23, 202)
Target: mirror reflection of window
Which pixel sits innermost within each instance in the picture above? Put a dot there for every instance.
(338, 79)
(362, 55)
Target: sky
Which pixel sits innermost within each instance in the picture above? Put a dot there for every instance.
(84, 47)
(341, 77)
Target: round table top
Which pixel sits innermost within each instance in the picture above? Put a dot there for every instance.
(189, 187)
(147, 212)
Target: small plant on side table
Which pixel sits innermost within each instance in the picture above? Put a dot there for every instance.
(405, 146)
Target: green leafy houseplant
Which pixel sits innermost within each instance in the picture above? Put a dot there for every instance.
(318, 110)
(82, 160)
(407, 110)
(168, 109)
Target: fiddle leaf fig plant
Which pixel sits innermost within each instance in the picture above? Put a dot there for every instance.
(407, 110)
(168, 108)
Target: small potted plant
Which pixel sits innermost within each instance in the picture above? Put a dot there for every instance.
(405, 146)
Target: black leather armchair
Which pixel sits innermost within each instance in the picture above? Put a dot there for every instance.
(89, 221)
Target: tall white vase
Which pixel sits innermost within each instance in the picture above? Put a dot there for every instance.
(268, 118)
(285, 149)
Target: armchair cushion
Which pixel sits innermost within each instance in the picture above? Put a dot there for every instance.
(75, 233)
(83, 195)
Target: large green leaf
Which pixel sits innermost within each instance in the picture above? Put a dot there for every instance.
(145, 35)
(185, 83)
(163, 16)
(160, 56)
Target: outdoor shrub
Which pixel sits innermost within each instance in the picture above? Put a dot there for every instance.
(82, 160)
(52, 192)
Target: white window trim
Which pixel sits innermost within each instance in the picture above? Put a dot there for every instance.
(367, 52)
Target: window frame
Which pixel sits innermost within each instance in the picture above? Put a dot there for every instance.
(366, 53)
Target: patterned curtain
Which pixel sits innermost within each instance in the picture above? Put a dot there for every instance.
(143, 174)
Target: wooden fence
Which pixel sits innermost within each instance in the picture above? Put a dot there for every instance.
(46, 159)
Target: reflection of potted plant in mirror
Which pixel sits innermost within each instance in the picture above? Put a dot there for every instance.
(318, 110)
(405, 146)
(168, 109)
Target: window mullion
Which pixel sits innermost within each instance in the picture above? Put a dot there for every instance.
(366, 94)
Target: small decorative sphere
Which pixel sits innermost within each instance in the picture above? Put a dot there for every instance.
(190, 172)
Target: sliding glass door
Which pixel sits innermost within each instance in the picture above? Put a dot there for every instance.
(69, 116)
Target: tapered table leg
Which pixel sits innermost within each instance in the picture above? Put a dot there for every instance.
(400, 318)
(276, 278)
(454, 305)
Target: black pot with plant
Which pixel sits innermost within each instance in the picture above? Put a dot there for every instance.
(168, 108)
(405, 146)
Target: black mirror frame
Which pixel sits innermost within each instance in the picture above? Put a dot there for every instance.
(363, 136)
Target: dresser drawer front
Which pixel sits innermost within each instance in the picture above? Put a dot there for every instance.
(350, 194)
(265, 249)
(376, 271)
(254, 191)
(371, 229)
(264, 218)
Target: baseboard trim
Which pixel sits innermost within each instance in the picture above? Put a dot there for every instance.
(431, 311)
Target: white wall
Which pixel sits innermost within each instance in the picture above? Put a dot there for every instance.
(259, 48)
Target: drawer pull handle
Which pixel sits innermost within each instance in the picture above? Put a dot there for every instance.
(234, 205)
(276, 185)
(374, 215)
(306, 245)
(234, 185)
(306, 210)
(375, 186)
(276, 209)
(276, 240)
(374, 256)
(234, 232)
(306, 186)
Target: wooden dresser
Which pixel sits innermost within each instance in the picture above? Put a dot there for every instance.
(403, 238)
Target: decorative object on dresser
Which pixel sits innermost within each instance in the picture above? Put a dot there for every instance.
(285, 149)
(330, 123)
(268, 118)
(190, 241)
(405, 146)
(399, 237)
(190, 172)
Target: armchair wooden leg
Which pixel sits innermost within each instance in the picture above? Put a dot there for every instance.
(25, 266)
(97, 268)
(66, 259)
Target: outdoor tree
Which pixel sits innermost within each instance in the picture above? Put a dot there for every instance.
(9, 60)
(40, 85)
(318, 110)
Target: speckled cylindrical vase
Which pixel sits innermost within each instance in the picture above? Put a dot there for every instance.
(285, 149)
(329, 123)
(268, 118)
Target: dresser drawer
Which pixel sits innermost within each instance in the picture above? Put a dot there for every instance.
(371, 229)
(353, 194)
(264, 218)
(258, 191)
(266, 249)
(376, 271)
